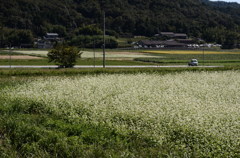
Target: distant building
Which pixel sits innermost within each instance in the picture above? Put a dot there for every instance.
(167, 34)
(173, 43)
(150, 43)
(51, 36)
(186, 41)
(44, 44)
(160, 44)
(48, 41)
(180, 36)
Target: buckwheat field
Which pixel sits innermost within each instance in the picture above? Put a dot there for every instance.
(189, 114)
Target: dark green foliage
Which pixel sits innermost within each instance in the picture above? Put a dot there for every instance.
(228, 39)
(111, 43)
(70, 18)
(61, 30)
(231, 40)
(15, 37)
(64, 56)
(89, 30)
(87, 41)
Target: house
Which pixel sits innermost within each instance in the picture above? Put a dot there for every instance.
(173, 44)
(160, 44)
(48, 40)
(186, 41)
(150, 44)
(180, 36)
(51, 36)
(167, 34)
(44, 44)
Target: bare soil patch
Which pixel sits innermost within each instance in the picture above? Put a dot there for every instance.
(19, 57)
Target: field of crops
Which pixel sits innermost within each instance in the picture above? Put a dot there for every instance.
(220, 59)
(192, 52)
(188, 114)
(90, 54)
(31, 57)
(135, 57)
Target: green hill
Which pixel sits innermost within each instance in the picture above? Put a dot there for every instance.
(69, 18)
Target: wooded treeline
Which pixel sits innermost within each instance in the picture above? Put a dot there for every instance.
(72, 19)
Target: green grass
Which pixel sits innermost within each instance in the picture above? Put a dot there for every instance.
(25, 62)
(199, 56)
(111, 62)
(209, 59)
(34, 132)
(6, 73)
(8, 53)
(79, 62)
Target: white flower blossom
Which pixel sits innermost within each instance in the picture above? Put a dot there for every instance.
(145, 103)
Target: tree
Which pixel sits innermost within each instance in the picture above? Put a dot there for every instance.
(93, 42)
(230, 41)
(61, 30)
(89, 30)
(64, 56)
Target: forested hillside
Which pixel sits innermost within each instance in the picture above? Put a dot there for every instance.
(72, 18)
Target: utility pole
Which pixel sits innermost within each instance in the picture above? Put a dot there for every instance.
(104, 32)
(94, 54)
(10, 55)
(203, 57)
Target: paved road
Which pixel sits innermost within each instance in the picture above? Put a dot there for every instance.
(109, 66)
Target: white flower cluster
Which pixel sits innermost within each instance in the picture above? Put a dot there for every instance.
(146, 103)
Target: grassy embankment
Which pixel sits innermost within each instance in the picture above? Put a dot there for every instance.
(94, 71)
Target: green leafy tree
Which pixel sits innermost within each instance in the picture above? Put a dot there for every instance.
(15, 37)
(89, 30)
(61, 30)
(231, 41)
(93, 41)
(64, 56)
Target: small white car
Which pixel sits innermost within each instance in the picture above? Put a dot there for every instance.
(193, 62)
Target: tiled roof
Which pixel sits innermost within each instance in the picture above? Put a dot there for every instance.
(180, 34)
